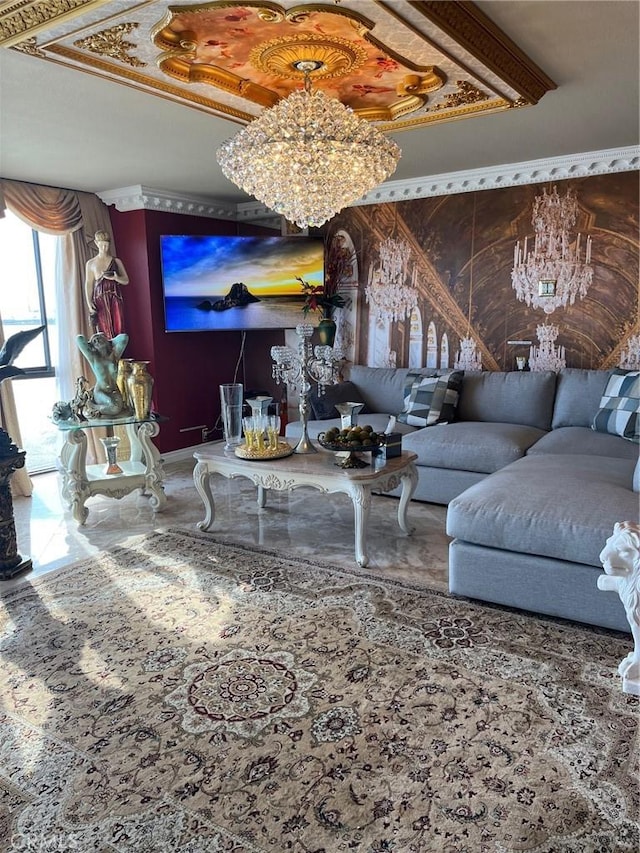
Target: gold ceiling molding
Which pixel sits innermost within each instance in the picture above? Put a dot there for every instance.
(28, 18)
(477, 33)
(138, 80)
(401, 64)
(112, 42)
(280, 56)
(467, 93)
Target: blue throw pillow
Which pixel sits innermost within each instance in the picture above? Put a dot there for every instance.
(431, 399)
(620, 406)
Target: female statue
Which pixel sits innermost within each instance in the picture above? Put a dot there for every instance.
(103, 356)
(103, 276)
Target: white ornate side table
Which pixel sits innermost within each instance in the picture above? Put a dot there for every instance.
(142, 470)
(317, 470)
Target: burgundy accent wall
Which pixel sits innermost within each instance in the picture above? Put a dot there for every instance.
(463, 250)
(187, 367)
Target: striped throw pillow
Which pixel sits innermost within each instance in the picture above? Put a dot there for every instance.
(431, 399)
(619, 412)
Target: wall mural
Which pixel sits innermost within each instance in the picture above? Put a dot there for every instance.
(531, 277)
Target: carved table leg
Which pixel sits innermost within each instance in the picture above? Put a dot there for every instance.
(154, 473)
(620, 559)
(409, 482)
(75, 486)
(203, 487)
(262, 497)
(361, 500)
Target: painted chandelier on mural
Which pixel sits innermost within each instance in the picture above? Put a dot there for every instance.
(552, 274)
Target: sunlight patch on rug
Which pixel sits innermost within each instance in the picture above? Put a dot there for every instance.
(178, 695)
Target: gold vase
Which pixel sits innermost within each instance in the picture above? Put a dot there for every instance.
(124, 372)
(140, 386)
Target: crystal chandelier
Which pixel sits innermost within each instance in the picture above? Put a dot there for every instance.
(308, 156)
(630, 357)
(387, 294)
(552, 275)
(547, 356)
(469, 356)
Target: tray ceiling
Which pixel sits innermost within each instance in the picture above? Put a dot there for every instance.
(401, 65)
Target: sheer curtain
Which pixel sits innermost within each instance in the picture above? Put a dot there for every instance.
(75, 217)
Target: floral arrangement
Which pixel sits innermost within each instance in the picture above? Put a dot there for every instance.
(339, 269)
(319, 298)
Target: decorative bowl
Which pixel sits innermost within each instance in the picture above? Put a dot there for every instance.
(351, 449)
(346, 446)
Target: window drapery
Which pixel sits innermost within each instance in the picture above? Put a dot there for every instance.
(75, 217)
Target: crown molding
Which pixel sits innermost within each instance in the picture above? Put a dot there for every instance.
(532, 172)
(512, 174)
(145, 198)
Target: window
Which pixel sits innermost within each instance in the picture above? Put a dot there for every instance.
(27, 300)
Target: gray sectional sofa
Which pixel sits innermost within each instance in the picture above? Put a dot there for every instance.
(532, 491)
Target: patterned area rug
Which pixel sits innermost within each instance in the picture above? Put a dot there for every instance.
(186, 696)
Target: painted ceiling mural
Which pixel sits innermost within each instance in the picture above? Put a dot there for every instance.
(400, 65)
(461, 256)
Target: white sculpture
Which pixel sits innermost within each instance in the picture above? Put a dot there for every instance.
(620, 559)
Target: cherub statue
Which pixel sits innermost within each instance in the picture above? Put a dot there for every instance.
(620, 559)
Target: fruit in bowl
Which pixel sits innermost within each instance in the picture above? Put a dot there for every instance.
(351, 438)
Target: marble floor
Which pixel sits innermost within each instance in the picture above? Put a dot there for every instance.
(303, 523)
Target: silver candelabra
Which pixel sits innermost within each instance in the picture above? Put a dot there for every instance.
(299, 369)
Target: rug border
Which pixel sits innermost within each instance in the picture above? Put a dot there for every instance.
(136, 540)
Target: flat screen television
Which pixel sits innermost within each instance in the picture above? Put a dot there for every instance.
(220, 283)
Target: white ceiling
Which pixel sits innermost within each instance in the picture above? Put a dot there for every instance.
(71, 129)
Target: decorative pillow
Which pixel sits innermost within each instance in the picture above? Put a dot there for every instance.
(431, 399)
(619, 412)
(323, 407)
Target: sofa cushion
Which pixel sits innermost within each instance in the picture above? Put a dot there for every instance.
(620, 406)
(430, 399)
(555, 506)
(517, 397)
(584, 441)
(323, 406)
(471, 446)
(382, 388)
(578, 394)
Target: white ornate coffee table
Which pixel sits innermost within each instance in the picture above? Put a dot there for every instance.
(310, 469)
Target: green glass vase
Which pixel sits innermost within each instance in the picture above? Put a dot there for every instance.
(327, 331)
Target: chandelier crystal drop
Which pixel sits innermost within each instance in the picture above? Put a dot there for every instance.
(547, 356)
(552, 274)
(469, 356)
(308, 157)
(390, 298)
